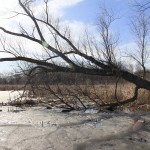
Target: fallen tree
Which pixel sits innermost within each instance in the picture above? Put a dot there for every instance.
(86, 57)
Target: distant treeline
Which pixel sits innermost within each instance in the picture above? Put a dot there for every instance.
(61, 78)
(55, 78)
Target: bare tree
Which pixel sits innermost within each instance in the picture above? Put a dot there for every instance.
(58, 46)
(142, 6)
(140, 27)
(109, 41)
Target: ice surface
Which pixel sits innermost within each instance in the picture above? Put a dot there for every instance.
(41, 129)
(6, 96)
(38, 128)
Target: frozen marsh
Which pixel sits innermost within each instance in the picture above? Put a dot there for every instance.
(38, 128)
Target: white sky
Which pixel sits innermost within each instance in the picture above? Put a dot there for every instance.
(56, 8)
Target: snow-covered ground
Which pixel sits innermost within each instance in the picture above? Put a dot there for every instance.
(41, 129)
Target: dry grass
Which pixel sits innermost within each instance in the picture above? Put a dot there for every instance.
(9, 87)
(102, 93)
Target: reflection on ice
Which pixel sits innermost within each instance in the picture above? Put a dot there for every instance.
(91, 111)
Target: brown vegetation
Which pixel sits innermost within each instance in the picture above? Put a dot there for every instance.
(9, 87)
(79, 92)
(89, 96)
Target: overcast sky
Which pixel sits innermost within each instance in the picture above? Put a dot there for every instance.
(76, 12)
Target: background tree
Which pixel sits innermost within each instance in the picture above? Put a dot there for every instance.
(140, 27)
